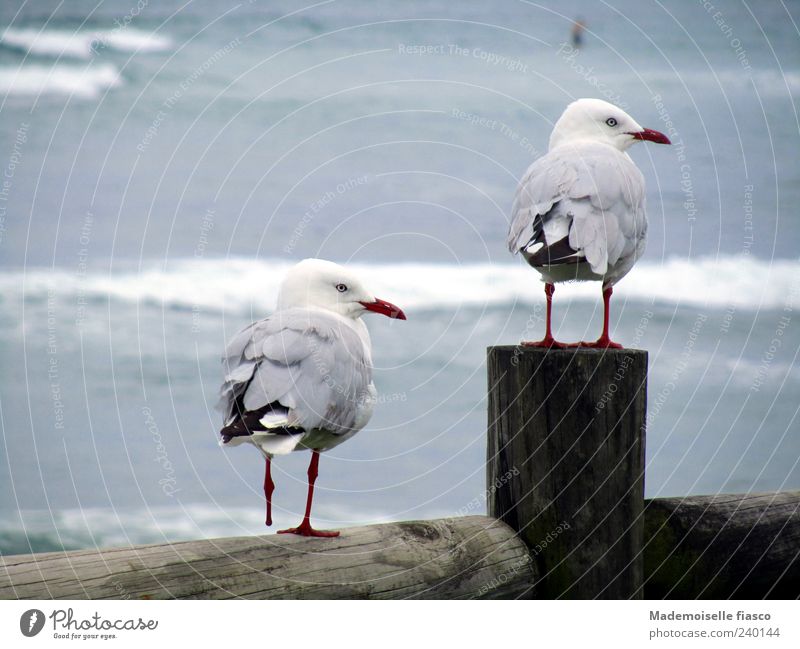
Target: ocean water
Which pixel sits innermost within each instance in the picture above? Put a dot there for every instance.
(162, 167)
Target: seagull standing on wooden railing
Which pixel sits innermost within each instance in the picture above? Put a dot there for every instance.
(579, 212)
(302, 378)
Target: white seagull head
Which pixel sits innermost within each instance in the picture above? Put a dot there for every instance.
(599, 121)
(322, 284)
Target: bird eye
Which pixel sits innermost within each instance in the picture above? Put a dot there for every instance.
(611, 122)
(341, 288)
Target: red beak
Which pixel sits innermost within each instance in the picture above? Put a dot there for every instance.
(384, 308)
(650, 135)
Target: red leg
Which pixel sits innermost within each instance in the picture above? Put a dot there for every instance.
(548, 340)
(269, 487)
(305, 529)
(604, 342)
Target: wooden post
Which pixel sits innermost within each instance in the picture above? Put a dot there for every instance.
(470, 557)
(729, 546)
(565, 464)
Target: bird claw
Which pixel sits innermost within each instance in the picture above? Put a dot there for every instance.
(609, 344)
(600, 343)
(305, 529)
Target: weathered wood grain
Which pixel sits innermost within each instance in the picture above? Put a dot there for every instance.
(741, 546)
(466, 557)
(565, 464)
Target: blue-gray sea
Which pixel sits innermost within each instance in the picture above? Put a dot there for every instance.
(162, 164)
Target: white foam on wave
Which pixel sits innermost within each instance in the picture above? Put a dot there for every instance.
(82, 44)
(79, 81)
(107, 527)
(244, 285)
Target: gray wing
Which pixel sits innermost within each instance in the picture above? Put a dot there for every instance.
(579, 203)
(299, 369)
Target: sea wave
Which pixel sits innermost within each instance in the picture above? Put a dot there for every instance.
(246, 285)
(82, 44)
(74, 80)
(27, 531)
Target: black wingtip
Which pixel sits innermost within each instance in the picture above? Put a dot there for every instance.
(559, 252)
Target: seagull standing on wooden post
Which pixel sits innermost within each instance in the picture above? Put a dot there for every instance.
(579, 212)
(302, 378)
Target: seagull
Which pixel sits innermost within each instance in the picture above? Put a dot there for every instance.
(301, 379)
(579, 211)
